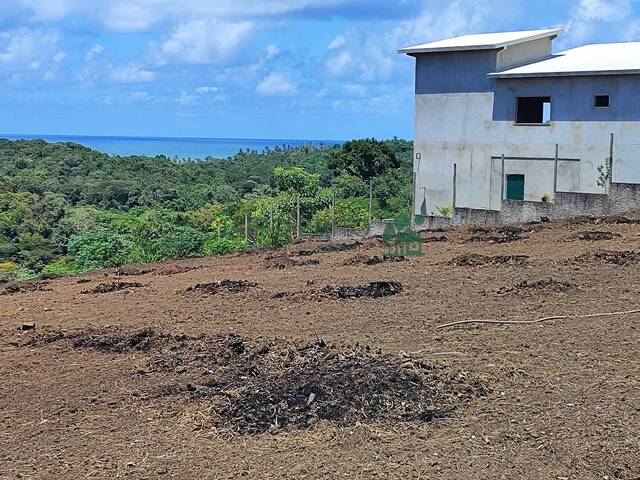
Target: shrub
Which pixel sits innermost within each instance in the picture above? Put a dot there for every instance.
(223, 246)
(350, 213)
(181, 242)
(62, 266)
(100, 248)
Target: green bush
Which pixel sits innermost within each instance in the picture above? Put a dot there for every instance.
(100, 248)
(223, 246)
(181, 242)
(350, 213)
(62, 266)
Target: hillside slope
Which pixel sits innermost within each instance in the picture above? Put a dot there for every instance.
(167, 371)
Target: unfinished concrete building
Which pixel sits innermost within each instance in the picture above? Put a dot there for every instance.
(500, 118)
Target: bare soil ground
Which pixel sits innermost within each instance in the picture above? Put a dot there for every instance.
(266, 365)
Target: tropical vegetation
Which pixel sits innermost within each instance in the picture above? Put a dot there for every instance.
(65, 208)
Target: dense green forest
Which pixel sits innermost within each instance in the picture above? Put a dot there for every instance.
(65, 208)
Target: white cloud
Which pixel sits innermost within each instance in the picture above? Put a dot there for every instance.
(362, 55)
(28, 50)
(132, 74)
(272, 51)
(206, 41)
(339, 63)
(337, 42)
(276, 84)
(591, 19)
(94, 53)
(142, 15)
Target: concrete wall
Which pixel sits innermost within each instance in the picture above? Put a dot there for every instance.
(460, 72)
(523, 53)
(572, 98)
(458, 128)
(621, 198)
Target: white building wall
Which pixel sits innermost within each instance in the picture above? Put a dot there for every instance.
(457, 128)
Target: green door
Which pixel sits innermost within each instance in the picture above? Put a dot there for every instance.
(515, 187)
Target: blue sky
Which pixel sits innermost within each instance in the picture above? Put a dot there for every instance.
(307, 69)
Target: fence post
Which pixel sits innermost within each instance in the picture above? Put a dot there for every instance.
(333, 214)
(298, 218)
(555, 171)
(502, 179)
(455, 175)
(611, 159)
(413, 201)
(246, 227)
(370, 202)
(218, 231)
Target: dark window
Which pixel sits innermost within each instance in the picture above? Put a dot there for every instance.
(601, 101)
(533, 110)
(515, 187)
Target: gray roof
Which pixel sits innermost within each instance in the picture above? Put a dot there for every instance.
(482, 41)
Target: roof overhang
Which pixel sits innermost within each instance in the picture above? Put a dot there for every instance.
(582, 73)
(485, 42)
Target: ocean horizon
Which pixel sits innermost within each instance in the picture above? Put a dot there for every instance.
(172, 147)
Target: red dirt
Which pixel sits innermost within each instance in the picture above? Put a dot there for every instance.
(161, 382)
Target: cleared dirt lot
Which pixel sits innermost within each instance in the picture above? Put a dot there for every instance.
(170, 371)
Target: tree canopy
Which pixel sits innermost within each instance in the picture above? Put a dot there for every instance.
(65, 208)
(366, 158)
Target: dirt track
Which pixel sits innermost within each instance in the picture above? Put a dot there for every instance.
(86, 395)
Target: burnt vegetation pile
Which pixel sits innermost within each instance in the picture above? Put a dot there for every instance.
(369, 290)
(110, 287)
(23, 287)
(282, 262)
(434, 238)
(229, 286)
(538, 286)
(375, 260)
(496, 235)
(253, 386)
(610, 220)
(477, 260)
(177, 269)
(100, 340)
(611, 257)
(132, 270)
(329, 248)
(595, 235)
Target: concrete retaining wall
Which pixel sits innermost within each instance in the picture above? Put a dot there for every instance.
(622, 197)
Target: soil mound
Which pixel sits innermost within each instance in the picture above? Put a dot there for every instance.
(477, 260)
(113, 287)
(370, 290)
(229, 286)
